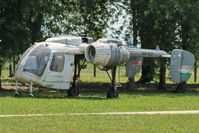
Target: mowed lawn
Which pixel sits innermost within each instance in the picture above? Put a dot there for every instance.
(93, 102)
(58, 102)
(89, 102)
(102, 124)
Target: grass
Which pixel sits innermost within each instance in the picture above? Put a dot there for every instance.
(93, 100)
(96, 102)
(52, 102)
(102, 124)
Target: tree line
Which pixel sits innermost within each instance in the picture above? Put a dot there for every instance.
(170, 24)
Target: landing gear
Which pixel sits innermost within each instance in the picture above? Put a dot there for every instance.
(74, 90)
(31, 95)
(112, 93)
(30, 90)
(17, 92)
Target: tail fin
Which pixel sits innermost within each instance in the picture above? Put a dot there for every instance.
(182, 65)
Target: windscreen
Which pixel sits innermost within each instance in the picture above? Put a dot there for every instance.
(37, 60)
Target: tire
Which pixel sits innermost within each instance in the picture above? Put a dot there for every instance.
(31, 95)
(17, 94)
(73, 92)
(112, 94)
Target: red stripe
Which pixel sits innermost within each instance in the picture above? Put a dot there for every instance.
(137, 62)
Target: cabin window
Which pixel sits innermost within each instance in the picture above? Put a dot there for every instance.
(37, 60)
(57, 64)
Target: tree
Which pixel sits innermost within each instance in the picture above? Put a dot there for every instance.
(20, 26)
(164, 31)
(13, 33)
(188, 29)
(26, 22)
(164, 23)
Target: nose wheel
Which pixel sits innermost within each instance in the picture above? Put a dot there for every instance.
(31, 95)
(30, 90)
(18, 86)
(17, 94)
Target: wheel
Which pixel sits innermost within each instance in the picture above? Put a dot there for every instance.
(73, 92)
(112, 94)
(31, 95)
(17, 94)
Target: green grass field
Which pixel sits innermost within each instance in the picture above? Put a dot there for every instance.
(102, 124)
(89, 102)
(93, 101)
(52, 102)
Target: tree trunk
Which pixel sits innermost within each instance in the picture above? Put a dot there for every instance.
(94, 71)
(130, 83)
(195, 71)
(185, 35)
(0, 75)
(10, 70)
(14, 64)
(148, 70)
(181, 87)
(162, 78)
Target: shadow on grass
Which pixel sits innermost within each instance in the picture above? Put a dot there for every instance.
(94, 96)
(96, 91)
(53, 95)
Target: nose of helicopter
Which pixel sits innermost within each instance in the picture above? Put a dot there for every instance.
(25, 67)
(33, 63)
(22, 76)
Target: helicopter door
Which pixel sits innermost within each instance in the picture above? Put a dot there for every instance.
(60, 70)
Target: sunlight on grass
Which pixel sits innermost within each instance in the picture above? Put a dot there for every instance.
(96, 102)
(93, 101)
(103, 123)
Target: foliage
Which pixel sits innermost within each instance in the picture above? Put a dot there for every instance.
(13, 33)
(91, 17)
(170, 24)
(188, 25)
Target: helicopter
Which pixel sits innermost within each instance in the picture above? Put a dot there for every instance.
(56, 62)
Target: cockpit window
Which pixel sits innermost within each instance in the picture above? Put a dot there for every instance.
(57, 63)
(31, 65)
(37, 60)
(25, 53)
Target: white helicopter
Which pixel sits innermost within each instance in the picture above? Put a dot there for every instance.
(52, 63)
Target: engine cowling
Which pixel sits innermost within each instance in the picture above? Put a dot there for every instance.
(105, 55)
